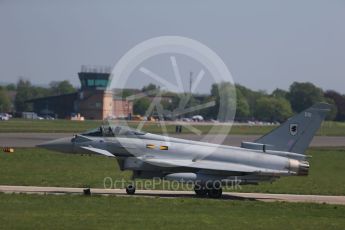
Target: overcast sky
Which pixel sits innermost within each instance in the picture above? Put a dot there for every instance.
(265, 44)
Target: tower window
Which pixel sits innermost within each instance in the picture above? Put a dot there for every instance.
(90, 82)
(101, 82)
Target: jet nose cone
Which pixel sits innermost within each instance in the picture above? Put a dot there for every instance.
(64, 145)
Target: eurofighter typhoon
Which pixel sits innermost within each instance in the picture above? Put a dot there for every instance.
(209, 166)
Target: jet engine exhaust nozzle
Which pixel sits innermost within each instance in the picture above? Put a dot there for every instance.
(301, 168)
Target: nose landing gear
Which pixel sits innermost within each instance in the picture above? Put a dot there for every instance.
(130, 189)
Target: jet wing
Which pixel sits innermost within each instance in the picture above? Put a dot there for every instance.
(213, 165)
(98, 151)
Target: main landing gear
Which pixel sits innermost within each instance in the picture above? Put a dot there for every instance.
(213, 191)
(200, 190)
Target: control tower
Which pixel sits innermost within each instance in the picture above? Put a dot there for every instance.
(95, 101)
(94, 78)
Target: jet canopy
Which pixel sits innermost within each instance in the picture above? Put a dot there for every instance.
(112, 131)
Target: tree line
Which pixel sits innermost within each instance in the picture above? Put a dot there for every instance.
(24, 91)
(250, 104)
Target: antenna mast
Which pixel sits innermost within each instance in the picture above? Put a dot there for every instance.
(190, 82)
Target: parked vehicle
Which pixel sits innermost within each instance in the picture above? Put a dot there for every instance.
(197, 118)
(29, 115)
(47, 117)
(4, 117)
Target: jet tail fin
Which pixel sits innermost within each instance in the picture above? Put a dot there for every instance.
(297, 132)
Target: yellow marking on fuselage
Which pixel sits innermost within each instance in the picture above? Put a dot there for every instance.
(150, 146)
(163, 147)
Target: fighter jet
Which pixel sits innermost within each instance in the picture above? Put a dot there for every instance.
(209, 166)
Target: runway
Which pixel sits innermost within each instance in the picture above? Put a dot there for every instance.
(339, 200)
(33, 139)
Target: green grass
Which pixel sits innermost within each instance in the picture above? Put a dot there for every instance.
(96, 212)
(52, 126)
(327, 176)
(44, 168)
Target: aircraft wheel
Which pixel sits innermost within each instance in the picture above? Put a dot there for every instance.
(130, 189)
(215, 193)
(200, 191)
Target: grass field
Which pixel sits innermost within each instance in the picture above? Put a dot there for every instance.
(40, 167)
(44, 168)
(96, 212)
(21, 125)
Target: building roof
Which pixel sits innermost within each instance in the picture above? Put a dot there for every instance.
(51, 97)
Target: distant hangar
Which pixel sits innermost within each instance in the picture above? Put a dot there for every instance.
(93, 100)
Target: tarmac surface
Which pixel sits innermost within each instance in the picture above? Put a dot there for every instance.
(339, 200)
(33, 139)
